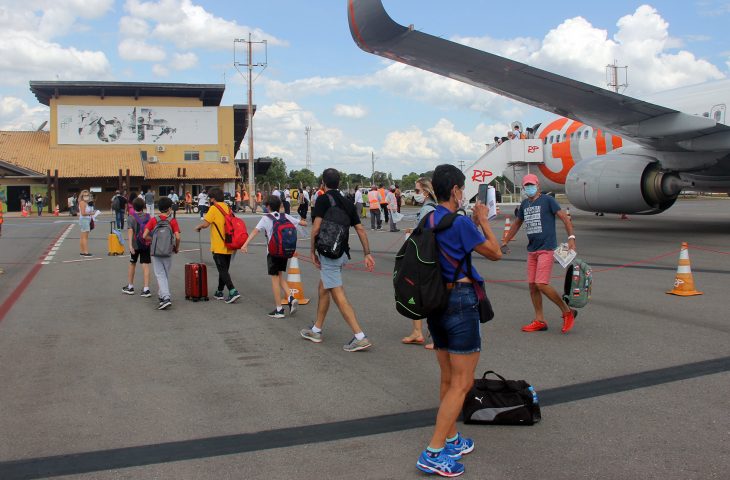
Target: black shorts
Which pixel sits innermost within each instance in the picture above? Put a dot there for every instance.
(142, 255)
(275, 264)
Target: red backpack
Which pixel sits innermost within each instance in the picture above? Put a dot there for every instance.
(235, 230)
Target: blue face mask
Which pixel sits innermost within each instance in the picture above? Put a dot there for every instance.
(531, 190)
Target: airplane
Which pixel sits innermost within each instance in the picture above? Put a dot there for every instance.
(610, 152)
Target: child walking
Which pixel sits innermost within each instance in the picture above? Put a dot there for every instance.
(139, 249)
(222, 255)
(164, 235)
(280, 230)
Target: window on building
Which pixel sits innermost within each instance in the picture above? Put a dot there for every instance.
(551, 138)
(192, 156)
(210, 155)
(165, 190)
(143, 155)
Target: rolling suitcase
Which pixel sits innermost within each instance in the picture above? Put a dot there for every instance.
(196, 278)
(114, 241)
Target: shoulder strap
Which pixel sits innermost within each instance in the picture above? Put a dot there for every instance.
(217, 204)
(332, 198)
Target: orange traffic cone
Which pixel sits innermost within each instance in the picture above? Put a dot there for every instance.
(294, 279)
(507, 228)
(24, 213)
(684, 284)
(55, 211)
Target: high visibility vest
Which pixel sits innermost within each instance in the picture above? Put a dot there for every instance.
(258, 197)
(381, 192)
(238, 196)
(245, 196)
(374, 200)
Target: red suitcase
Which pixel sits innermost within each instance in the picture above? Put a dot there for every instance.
(196, 279)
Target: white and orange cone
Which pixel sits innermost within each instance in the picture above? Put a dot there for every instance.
(294, 279)
(24, 213)
(507, 228)
(55, 211)
(684, 284)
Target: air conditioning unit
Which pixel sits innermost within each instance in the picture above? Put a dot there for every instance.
(225, 159)
(160, 148)
(153, 159)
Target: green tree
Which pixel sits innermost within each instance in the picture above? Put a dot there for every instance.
(276, 174)
(302, 178)
(380, 177)
(408, 182)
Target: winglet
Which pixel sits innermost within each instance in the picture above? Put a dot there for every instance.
(371, 26)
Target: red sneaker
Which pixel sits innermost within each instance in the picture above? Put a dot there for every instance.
(535, 326)
(568, 319)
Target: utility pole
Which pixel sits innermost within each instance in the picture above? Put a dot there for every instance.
(308, 132)
(612, 76)
(461, 164)
(250, 65)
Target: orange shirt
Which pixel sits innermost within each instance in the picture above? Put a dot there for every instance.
(188, 198)
(258, 197)
(245, 196)
(381, 192)
(238, 196)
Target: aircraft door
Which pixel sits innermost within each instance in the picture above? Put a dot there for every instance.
(718, 113)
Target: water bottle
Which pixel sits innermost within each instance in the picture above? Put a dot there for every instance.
(534, 394)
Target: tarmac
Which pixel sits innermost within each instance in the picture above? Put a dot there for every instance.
(95, 384)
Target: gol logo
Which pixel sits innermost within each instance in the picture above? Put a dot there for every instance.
(532, 148)
(480, 175)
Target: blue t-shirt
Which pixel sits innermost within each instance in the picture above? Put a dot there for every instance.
(539, 218)
(457, 242)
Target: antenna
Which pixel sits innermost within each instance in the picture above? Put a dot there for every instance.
(307, 132)
(612, 77)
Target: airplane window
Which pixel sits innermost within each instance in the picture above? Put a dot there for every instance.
(544, 140)
(551, 139)
(586, 134)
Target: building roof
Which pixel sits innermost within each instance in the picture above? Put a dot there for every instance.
(210, 94)
(31, 151)
(190, 170)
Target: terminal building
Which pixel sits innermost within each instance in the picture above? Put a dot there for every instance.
(108, 136)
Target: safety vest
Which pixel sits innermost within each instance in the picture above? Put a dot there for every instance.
(245, 196)
(258, 197)
(238, 196)
(374, 200)
(1, 213)
(381, 192)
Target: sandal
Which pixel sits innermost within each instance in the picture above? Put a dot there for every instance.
(413, 340)
(428, 346)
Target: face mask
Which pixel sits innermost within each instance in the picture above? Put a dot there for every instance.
(531, 190)
(419, 197)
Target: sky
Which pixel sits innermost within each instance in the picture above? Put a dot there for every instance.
(356, 104)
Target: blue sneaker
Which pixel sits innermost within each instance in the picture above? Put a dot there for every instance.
(442, 465)
(460, 447)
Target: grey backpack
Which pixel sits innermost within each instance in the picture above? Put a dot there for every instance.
(578, 284)
(163, 239)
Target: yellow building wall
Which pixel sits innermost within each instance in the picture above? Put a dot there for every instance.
(172, 153)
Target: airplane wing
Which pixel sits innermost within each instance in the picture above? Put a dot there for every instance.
(645, 123)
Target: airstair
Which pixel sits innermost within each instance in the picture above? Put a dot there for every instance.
(513, 159)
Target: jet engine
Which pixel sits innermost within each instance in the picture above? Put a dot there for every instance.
(622, 183)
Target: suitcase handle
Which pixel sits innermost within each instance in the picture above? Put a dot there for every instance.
(495, 373)
(111, 227)
(200, 247)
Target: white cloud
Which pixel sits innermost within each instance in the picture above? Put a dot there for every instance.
(184, 61)
(279, 131)
(15, 114)
(28, 51)
(133, 49)
(349, 111)
(160, 70)
(187, 25)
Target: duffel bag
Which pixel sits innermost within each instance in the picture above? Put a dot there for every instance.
(501, 402)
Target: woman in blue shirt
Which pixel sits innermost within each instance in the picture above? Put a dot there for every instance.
(455, 332)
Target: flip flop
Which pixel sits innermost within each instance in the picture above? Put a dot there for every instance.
(413, 341)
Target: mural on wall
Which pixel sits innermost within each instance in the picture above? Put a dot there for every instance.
(136, 125)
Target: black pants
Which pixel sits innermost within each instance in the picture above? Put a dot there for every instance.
(384, 206)
(287, 207)
(223, 263)
(302, 210)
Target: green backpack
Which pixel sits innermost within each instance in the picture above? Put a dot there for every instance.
(578, 284)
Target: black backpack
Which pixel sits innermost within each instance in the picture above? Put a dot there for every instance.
(417, 281)
(334, 231)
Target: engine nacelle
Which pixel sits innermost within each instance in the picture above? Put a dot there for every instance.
(622, 183)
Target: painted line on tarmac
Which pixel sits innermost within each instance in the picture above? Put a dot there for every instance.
(128, 457)
(15, 295)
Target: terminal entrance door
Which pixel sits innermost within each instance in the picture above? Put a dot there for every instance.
(14, 192)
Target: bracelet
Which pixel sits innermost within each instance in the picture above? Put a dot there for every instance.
(571, 237)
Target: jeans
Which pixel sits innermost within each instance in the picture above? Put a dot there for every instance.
(151, 208)
(393, 226)
(40, 209)
(119, 216)
(162, 267)
(375, 219)
(223, 263)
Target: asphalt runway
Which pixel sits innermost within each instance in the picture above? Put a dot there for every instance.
(97, 384)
